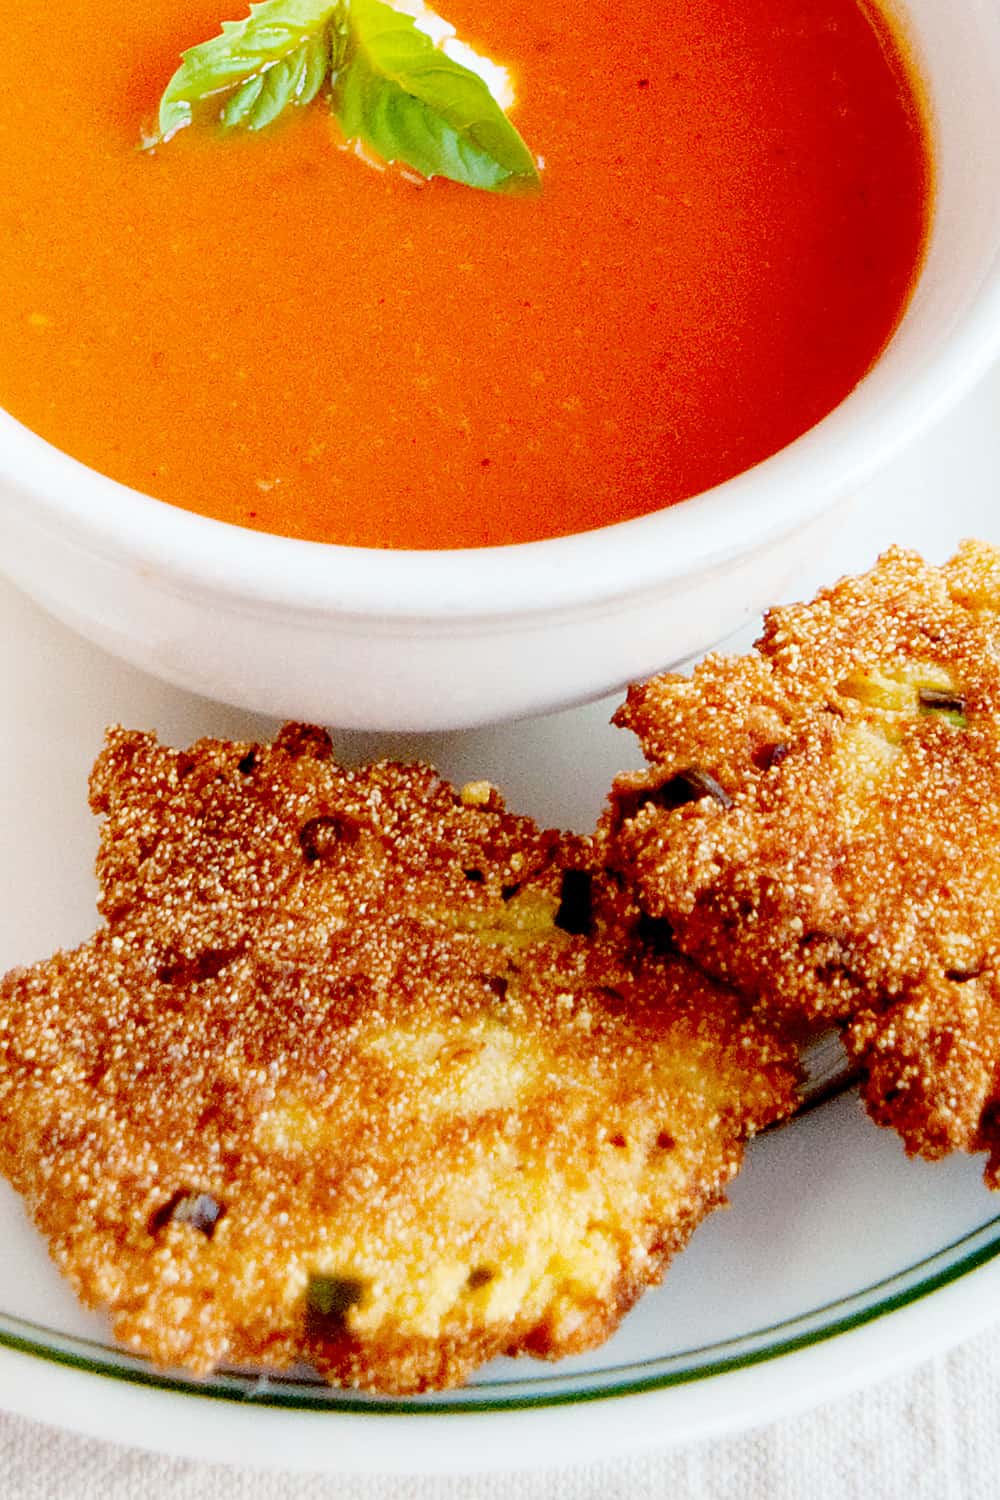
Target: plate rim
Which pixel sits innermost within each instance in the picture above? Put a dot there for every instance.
(536, 1437)
(889, 1294)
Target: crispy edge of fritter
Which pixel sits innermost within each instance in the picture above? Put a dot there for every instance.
(419, 1366)
(930, 1066)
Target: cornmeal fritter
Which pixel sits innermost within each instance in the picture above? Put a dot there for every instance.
(363, 1070)
(820, 826)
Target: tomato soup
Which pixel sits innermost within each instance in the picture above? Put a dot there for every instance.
(266, 329)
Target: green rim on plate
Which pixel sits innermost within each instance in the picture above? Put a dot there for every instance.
(754, 1347)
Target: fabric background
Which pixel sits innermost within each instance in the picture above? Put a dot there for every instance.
(931, 1434)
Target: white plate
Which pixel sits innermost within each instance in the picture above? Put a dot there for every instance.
(839, 1260)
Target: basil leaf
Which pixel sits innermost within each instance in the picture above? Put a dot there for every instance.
(295, 79)
(400, 94)
(395, 89)
(278, 56)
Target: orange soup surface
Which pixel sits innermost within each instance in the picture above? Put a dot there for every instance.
(267, 330)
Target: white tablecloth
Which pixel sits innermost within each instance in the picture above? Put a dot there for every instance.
(931, 1434)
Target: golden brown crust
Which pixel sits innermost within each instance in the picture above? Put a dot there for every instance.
(356, 1072)
(846, 864)
(931, 1061)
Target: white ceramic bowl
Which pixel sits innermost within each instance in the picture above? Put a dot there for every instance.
(396, 640)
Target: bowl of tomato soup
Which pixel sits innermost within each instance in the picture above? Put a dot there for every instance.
(320, 437)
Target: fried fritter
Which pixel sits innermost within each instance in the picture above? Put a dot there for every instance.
(364, 1071)
(820, 826)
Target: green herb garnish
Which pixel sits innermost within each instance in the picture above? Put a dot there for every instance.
(332, 1297)
(945, 703)
(390, 86)
(404, 97)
